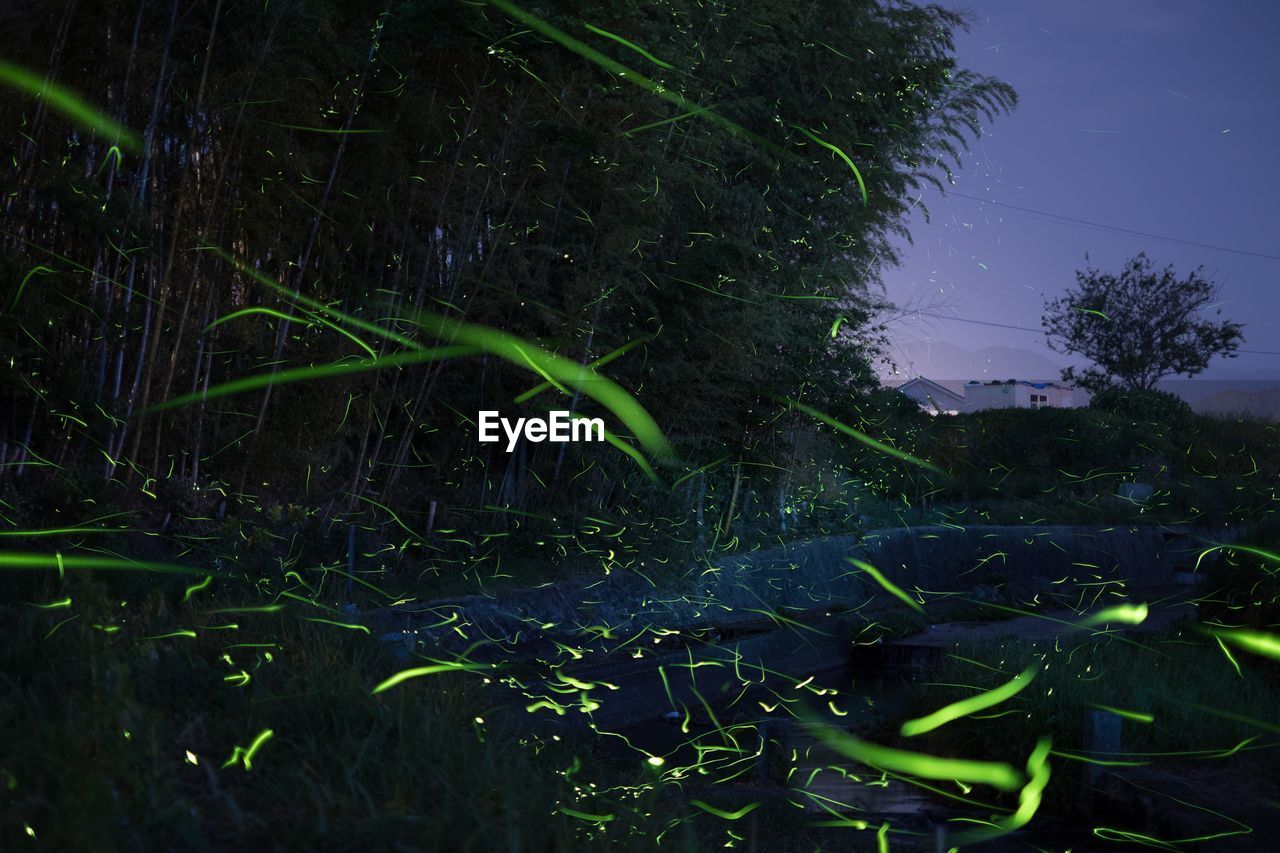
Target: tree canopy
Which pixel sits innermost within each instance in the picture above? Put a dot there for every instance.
(1139, 326)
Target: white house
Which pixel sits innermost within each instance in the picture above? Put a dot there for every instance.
(1017, 394)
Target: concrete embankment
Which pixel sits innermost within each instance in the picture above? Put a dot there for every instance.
(728, 665)
(801, 577)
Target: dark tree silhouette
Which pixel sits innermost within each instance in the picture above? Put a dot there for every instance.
(1138, 326)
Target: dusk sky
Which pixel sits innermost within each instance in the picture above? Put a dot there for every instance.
(1157, 116)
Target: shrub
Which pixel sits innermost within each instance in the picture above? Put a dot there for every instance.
(1159, 406)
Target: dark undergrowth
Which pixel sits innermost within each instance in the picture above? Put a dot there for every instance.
(121, 726)
(128, 713)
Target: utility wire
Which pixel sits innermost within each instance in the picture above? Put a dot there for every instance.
(1116, 228)
(1037, 331)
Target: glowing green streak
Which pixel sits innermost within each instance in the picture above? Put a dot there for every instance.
(55, 605)
(27, 560)
(59, 625)
(538, 370)
(339, 131)
(1230, 657)
(599, 362)
(363, 583)
(632, 452)
(1047, 618)
(590, 818)
(1258, 642)
(315, 306)
(1257, 552)
(1136, 716)
(280, 315)
(1111, 834)
(666, 685)
(996, 774)
(43, 270)
(865, 439)
(265, 608)
(319, 371)
(524, 354)
(636, 79)
(1030, 795)
(287, 594)
(241, 754)
(721, 813)
(405, 675)
(699, 470)
(505, 346)
(394, 517)
(336, 624)
(620, 40)
(1128, 614)
(1244, 829)
(183, 632)
(651, 125)
(887, 584)
(780, 620)
(113, 151)
(545, 703)
(843, 156)
(66, 103)
(972, 705)
(204, 584)
(1100, 761)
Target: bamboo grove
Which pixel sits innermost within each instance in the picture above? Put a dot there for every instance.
(696, 198)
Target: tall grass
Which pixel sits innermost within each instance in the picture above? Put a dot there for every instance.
(116, 741)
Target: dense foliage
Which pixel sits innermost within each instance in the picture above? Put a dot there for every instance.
(305, 167)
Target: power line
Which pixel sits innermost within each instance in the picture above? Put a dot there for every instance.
(976, 322)
(1041, 331)
(1117, 228)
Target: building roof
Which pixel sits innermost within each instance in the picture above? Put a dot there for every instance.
(942, 397)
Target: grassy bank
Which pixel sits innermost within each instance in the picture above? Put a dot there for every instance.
(129, 717)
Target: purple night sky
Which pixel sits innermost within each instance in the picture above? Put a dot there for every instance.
(1157, 116)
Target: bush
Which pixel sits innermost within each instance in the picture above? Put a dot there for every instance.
(1159, 406)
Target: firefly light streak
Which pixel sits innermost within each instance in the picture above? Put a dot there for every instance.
(972, 705)
(68, 104)
(244, 755)
(996, 774)
(888, 585)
